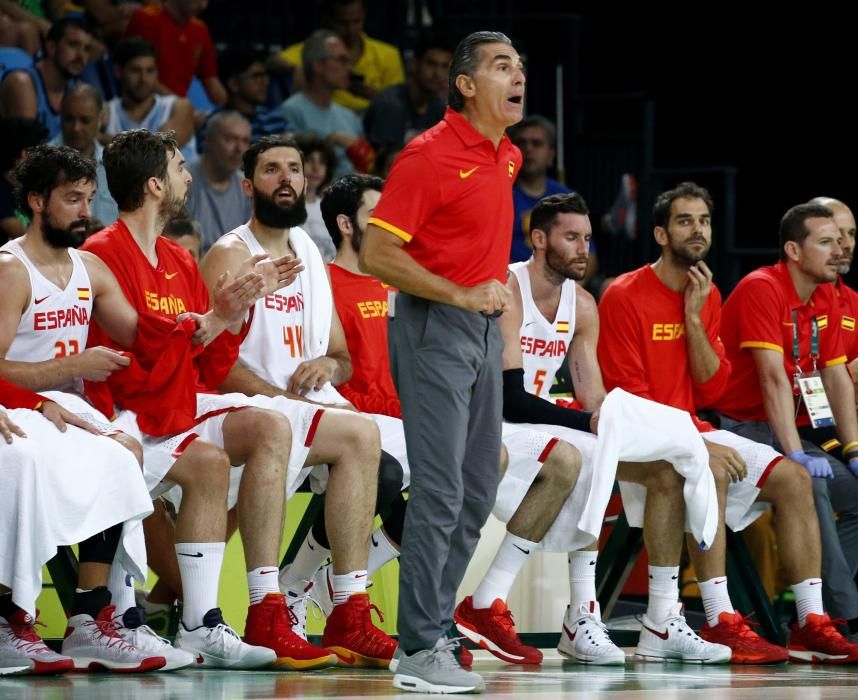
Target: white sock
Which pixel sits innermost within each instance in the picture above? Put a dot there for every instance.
(582, 579)
(808, 598)
(716, 598)
(663, 592)
(121, 586)
(200, 564)
(309, 558)
(512, 555)
(262, 581)
(346, 585)
(381, 551)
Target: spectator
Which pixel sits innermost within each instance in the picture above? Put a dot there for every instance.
(535, 136)
(400, 112)
(243, 73)
(80, 111)
(140, 106)
(22, 28)
(216, 198)
(18, 136)
(184, 46)
(319, 163)
(375, 64)
(326, 68)
(187, 233)
(36, 92)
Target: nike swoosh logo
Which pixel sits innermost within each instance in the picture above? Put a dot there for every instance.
(815, 583)
(263, 573)
(718, 583)
(592, 563)
(360, 575)
(169, 275)
(521, 549)
(569, 634)
(184, 554)
(661, 635)
(467, 173)
(200, 659)
(373, 540)
(350, 659)
(674, 578)
(39, 301)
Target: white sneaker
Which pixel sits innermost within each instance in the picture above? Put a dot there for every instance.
(133, 629)
(93, 644)
(23, 651)
(319, 591)
(584, 638)
(323, 589)
(215, 644)
(674, 640)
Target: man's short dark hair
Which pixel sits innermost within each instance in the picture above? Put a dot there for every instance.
(535, 120)
(466, 60)
(133, 47)
(183, 226)
(343, 197)
(432, 39)
(233, 61)
(19, 134)
(47, 167)
(547, 209)
(684, 190)
(59, 28)
(266, 143)
(131, 158)
(794, 223)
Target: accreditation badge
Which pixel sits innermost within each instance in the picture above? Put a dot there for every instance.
(812, 393)
(391, 303)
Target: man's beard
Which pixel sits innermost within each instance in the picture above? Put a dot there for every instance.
(561, 267)
(357, 237)
(172, 205)
(278, 216)
(682, 253)
(64, 237)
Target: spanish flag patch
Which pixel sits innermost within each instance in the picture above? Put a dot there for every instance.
(83, 293)
(822, 321)
(847, 323)
(511, 168)
(562, 326)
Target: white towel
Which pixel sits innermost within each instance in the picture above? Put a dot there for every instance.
(317, 325)
(633, 429)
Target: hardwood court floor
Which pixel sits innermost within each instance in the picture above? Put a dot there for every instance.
(554, 679)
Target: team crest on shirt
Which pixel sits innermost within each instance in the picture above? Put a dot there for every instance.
(847, 323)
(822, 321)
(562, 326)
(83, 293)
(511, 168)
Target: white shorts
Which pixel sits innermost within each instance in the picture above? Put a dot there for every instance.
(743, 508)
(528, 446)
(83, 410)
(59, 489)
(303, 418)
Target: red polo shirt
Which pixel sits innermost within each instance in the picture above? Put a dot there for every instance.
(759, 314)
(449, 197)
(848, 301)
(184, 50)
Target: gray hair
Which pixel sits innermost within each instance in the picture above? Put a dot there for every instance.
(217, 120)
(466, 60)
(315, 49)
(82, 89)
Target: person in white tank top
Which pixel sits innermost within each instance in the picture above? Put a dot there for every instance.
(140, 106)
(296, 350)
(553, 319)
(51, 292)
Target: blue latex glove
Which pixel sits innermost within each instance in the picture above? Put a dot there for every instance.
(817, 466)
(853, 465)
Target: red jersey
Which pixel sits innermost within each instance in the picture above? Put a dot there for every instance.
(14, 396)
(848, 301)
(759, 314)
(361, 303)
(183, 50)
(165, 400)
(449, 197)
(642, 344)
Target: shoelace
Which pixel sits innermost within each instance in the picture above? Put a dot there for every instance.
(26, 637)
(108, 630)
(602, 631)
(146, 631)
(307, 597)
(225, 635)
(828, 628)
(445, 654)
(505, 620)
(743, 627)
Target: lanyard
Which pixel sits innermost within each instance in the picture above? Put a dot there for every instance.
(814, 341)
